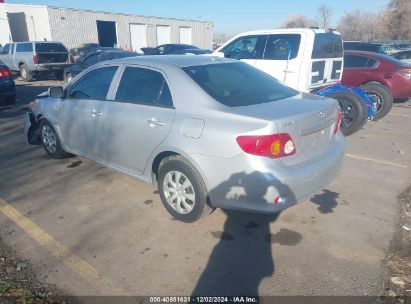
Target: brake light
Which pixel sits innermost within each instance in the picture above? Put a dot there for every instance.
(406, 73)
(35, 59)
(338, 122)
(274, 146)
(4, 73)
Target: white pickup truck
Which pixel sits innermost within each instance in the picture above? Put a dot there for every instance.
(304, 59)
(35, 57)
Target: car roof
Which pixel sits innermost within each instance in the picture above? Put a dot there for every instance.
(288, 30)
(173, 60)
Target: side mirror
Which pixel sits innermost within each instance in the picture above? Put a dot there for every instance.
(56, 92)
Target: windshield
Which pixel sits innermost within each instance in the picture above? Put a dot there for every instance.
(238, 84)
(50, 48)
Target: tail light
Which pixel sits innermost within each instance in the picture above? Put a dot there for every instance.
(406, 73)
(35, 59)
(4, 73)
(274, 146)
(338, 122)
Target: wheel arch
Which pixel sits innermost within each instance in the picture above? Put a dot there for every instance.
(151, 171)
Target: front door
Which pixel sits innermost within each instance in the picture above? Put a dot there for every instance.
(83, 110)
(139, 119)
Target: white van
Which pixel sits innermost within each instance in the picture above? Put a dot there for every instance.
(302, 58)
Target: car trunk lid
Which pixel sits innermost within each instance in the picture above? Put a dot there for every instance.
(308, 119)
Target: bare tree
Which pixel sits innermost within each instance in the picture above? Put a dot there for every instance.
(298, 21)
(396, 20)
(324, 14)
(360, 25)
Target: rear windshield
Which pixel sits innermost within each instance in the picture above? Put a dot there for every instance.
(50, 48)
(327, 45)
(238, 84)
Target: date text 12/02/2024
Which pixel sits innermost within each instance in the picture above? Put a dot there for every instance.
(203, 299)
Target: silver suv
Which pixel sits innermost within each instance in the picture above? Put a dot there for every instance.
(32, 58)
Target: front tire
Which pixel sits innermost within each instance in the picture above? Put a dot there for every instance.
(354, 111)
(182, 190)
(382, 95)
(51, 142)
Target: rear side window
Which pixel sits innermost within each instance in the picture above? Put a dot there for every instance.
(327, 45)
(355, 61)
(24, 47)
(238, 84)
(93, 85)
(143, 86)
(45, 47)
(247, 47)
(282, 46)
(6, 49)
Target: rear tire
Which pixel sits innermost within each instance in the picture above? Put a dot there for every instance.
(382, 95)
(50, 141)
(25, 73)
(353, 109)
(182, 190)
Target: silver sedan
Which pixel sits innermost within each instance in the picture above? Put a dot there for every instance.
(208, 132)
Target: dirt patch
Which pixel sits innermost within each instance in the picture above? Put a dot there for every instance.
(18, 283)
(398, 258)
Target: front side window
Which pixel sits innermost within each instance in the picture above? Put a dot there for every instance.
(94, 85)
(248, 47)
(24, 47)
(282, 46)
(6, 49)
(238, 84)
(143, 86)
(327, 45)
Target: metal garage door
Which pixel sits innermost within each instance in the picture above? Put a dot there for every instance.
(185, 35)
(138, 36)
(163, 34)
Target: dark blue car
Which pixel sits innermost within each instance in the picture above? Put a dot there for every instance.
(7, 87)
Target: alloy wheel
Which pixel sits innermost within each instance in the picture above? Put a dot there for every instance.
(49, 139)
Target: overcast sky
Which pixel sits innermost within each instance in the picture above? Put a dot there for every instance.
(229, 17)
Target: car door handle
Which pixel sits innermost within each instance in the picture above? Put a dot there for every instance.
(95, 113)
(155, 123)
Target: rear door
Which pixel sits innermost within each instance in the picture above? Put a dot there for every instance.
(23, 52)
(326, 59)
(357, 69)
(282, 58)
(83, 110)
(246, 48)
(137, 121)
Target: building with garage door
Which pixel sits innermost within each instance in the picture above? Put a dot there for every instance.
(76, 26)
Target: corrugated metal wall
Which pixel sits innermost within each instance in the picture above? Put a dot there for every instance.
(73, 27)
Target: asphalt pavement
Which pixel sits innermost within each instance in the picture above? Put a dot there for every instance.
(94, 231)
